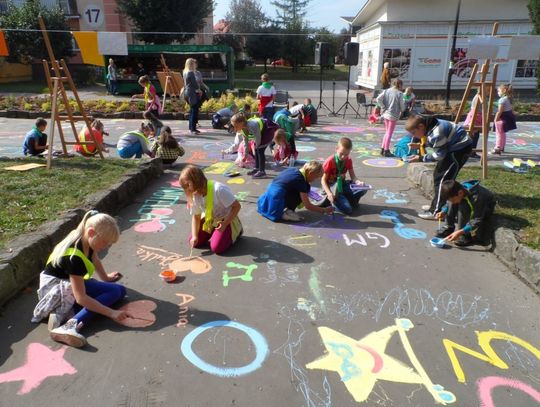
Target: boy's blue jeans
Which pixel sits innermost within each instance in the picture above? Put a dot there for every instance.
(104, 293)
(130, 151)
(348, 200)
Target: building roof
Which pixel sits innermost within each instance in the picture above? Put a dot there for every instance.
(348, 20)
(366, 11)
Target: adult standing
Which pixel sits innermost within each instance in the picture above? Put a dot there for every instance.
(112, 77)
(203, 87)
(385, 76)
(192, 93)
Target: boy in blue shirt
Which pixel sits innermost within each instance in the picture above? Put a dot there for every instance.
(35, 141)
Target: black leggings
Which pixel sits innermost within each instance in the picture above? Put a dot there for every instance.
(447, 169)
(260, 158)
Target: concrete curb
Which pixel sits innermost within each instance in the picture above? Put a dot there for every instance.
(25, 258)
(522, 260)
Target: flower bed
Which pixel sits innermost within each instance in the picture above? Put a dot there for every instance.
(102, 107)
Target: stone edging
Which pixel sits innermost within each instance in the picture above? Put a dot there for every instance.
(25, 258)
(522, 260)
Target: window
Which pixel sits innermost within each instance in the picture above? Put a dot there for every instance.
(361, 64)
(399, 60)
(526, 68)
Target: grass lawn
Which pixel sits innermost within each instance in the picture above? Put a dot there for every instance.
(305, 73)
(518, 199)
(33, 197)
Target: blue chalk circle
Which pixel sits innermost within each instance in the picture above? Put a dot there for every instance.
(261, 350)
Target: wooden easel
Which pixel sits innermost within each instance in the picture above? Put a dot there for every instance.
(171, 82)
(487, 93)
(56, 87)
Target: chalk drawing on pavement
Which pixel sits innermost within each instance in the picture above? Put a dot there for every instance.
(261, 350)
(361, 363)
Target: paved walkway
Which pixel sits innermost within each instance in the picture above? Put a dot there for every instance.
(340, 311)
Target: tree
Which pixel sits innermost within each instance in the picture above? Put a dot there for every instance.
(246, 16)
(296, 47)
(223, 36)
(179, 16)
(264, 46)
(27, 45)
(534, 13)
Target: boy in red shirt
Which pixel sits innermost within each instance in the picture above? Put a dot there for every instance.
(338, 190)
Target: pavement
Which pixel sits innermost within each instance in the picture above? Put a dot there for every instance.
(340, 311)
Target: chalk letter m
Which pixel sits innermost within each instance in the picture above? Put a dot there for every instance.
(489, 355)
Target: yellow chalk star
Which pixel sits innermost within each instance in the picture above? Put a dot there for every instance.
(361, 363)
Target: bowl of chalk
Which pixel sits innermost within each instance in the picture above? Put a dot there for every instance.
(438, 242)
(168, 275)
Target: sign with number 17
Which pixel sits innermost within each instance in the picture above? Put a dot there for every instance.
(92, 15)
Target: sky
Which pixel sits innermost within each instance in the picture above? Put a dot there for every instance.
(322, 13)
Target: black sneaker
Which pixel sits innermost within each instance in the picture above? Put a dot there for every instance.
(464, 241)
(387, 153)
(445, 232)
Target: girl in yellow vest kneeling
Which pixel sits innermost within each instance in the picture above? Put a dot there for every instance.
(214, 211)
(67, 292)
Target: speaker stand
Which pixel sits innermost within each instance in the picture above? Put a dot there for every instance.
(347, 103)
(321, 103)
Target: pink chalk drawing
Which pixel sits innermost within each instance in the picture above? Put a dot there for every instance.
(175, 184)
(155, 225)
(486, 385)
(41, 363)
(343, 129)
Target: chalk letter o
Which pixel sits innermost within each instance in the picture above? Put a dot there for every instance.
(261, 350)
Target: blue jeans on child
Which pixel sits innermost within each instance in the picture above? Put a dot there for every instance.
(130, 151)
(104, 293)
(346, 201)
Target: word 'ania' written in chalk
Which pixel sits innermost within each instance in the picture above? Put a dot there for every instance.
(183, 309)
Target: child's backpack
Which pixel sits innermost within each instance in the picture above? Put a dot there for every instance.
(216, 121)
(401, 148)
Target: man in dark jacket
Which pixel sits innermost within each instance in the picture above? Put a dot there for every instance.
(470, 205)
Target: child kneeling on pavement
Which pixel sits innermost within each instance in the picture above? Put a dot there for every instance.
(470, 205)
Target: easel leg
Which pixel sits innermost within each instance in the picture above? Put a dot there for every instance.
(53, 117)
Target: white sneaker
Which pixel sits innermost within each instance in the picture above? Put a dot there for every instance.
(54, 321)
(68, 334)
(426, 207)
(427, 215)
(291, 216)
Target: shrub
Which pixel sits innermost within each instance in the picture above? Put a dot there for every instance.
(28, 106)
(46, 107)
(124, 107)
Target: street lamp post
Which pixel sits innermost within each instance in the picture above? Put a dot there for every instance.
(452, 52)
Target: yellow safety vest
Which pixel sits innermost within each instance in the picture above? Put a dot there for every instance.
(90, 268)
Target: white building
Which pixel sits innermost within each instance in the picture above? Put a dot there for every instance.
(415, 37)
